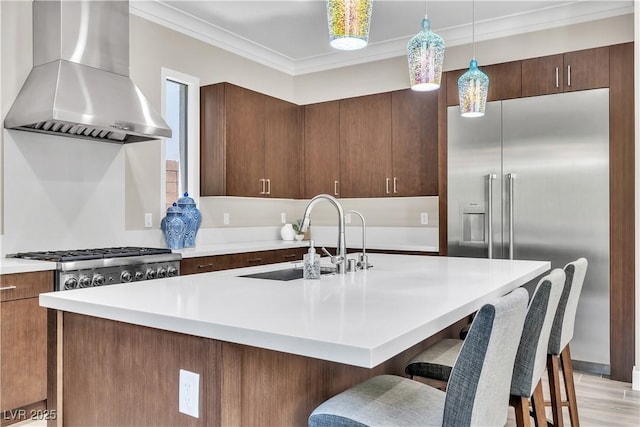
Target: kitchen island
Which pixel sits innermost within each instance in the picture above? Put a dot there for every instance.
(267, 351)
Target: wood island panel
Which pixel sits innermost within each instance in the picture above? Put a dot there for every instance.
(122, 374)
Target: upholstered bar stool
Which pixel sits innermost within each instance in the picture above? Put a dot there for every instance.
(561, 335)
(478, 390)
(529, 363)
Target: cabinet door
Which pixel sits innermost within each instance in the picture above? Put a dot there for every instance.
(244, 142)
(365, 146)
(322, 149)
(283, 149)
(586, 69)
(23, 353)
(212, 140)
(414, 123)
(542, 76)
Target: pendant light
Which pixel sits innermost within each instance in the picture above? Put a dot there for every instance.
(349, 23)
(474, 84)
(425, 52)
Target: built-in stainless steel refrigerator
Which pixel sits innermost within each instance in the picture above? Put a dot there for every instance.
(530, 180)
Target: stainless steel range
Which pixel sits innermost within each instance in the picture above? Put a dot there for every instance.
(85, 268)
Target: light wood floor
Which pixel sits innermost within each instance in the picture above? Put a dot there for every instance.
(601, 403)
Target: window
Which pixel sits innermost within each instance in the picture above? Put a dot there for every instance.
(180, 159)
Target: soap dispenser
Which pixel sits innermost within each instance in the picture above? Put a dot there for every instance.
(311, 268)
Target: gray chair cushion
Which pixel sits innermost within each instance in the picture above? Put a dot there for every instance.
(478, 391)
(437, 361)
(564, 321)
(532, 350)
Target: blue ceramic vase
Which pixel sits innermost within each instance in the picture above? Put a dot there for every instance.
(192, 218)
(174, 227)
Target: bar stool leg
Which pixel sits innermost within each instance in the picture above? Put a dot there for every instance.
(567, 372)
(521, 406)
(537, 400)
(553, 370)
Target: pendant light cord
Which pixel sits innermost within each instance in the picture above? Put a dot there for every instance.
(426, 9)
(473, 27)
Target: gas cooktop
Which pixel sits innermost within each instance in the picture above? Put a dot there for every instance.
(86, 254)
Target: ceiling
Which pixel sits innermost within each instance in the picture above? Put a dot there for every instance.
(292, 35)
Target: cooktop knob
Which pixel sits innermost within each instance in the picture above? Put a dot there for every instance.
(84, 282)
(151, 273)
(98, 280)
(126, 276)
(139, 275)
(162, 273)
(71, 283)
(172, 271)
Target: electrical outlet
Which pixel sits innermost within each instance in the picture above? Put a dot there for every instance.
(347, 218)
(424, 218)
(283, 217)
(148, 220)
(189, 393)
(225, 218)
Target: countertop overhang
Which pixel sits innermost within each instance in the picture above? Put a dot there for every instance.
(360, 318)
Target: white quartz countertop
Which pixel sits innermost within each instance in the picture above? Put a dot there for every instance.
(361, 318)
(265, 245)
(16, 265)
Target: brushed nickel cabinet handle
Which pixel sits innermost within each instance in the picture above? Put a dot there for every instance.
(254, 260)
(557, 77)
(205, 265)
(395, 185)
(335, 188)
(387, 186)
(268, 186)
(7, 288)
(262, 183)
(569, 75)
(289, 256)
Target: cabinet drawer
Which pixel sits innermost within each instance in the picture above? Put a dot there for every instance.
(25, 285)
(289, 255)
(204, 264)
(250, 259)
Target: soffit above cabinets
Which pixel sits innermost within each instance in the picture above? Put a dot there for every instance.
(292, 36)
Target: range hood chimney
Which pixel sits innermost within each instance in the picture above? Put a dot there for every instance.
(79, 85)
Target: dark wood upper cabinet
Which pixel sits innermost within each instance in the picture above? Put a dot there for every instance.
(322, 149)
(542, 76)
(283, 149)
(245, 148)
(580, 70)
(414, 123)
(250, 144)
(365, 146)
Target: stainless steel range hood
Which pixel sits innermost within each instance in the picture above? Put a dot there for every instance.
(79, 85)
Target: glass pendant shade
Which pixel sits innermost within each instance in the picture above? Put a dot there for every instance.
(472, 91)
(425, 52)
(349, 23)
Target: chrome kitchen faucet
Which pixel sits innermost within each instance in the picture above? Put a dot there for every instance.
(340, 259)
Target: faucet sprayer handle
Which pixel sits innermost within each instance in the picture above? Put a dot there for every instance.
(335, 259)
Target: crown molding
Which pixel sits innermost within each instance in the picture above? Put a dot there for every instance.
(538, 20)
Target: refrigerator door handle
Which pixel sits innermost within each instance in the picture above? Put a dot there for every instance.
(511, 177)
(490, 178)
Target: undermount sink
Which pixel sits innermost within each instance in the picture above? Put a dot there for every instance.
(286, 274)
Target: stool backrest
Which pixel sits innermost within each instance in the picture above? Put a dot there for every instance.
(532, 352)
(563, 324)
(478, 388)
